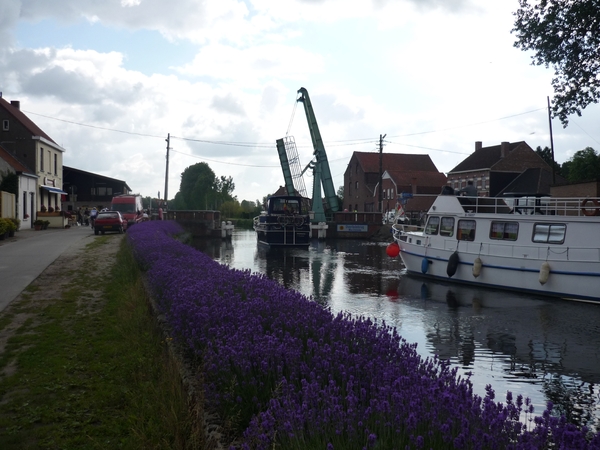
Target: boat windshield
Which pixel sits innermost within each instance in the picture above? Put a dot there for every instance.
(285, 206)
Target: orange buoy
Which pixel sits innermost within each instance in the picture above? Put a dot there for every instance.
(393, 250)
(594, 210)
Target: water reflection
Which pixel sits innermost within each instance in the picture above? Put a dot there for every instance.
(541, 348)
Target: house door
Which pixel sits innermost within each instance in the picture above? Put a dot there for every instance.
(32, 209)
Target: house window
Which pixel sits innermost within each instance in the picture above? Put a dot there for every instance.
(49, 160)
(24, 205)
(553, 233)
(356, 185)
(357, 168)
(5, 125)
(55, 164)
(466, 230)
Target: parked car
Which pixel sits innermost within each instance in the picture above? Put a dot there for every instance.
(109, 221)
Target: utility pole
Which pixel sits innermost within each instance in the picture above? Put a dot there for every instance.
(380, 206)
(551, 142)
(168, 139)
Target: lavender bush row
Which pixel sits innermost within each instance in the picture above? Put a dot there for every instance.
(290, 374)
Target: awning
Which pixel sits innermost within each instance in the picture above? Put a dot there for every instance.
(54, 190)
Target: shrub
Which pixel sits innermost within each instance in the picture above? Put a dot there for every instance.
(4, 226)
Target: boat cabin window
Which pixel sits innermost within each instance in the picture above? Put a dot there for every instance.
(447, 226)
(433, 225)
(550, 233)
(286, 206)
(466, 230)
(507, 231)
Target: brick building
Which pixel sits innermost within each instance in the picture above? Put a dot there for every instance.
(424, 185)
(493, 168)
(404, 171)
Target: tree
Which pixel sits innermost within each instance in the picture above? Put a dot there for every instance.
(197, 187)
(224, 187)
(564, 34)
(546, 155)
(201, 189)
(250, 209)
(583, 166)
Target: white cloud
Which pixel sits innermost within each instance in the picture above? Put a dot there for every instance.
(434, 76)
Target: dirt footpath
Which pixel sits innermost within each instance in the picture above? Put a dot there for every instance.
(59, 276)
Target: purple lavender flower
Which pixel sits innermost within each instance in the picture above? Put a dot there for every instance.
(293, 375)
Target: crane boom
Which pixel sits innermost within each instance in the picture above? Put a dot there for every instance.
(320, 165)
(290, 164)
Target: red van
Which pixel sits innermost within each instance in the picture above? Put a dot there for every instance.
(128, 205)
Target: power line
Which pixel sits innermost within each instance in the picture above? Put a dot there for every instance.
(427, 148)
(223, 162)
(471, 124)
(95, 126)
(270, 145)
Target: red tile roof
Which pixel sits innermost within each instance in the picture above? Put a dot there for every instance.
(369, 161)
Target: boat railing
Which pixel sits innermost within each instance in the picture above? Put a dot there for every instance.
(551, 206)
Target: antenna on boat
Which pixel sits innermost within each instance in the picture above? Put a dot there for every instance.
(551, 143)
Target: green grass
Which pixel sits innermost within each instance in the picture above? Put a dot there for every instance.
(91, 369)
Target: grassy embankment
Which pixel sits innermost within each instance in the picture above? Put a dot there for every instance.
(75, 377)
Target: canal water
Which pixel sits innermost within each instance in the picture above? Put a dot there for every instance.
(543, 349)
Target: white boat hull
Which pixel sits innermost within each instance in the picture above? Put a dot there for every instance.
(566, 280)
(569, 268)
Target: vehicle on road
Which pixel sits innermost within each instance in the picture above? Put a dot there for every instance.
(129, 205)
(110, 221)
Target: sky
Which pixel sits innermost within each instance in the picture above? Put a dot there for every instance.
(110, 80)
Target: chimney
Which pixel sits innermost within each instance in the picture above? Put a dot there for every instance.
(16, 104)
(504, 149)
(478, 145)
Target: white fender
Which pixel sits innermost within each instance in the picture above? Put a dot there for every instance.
(477, 267)
(544, 272)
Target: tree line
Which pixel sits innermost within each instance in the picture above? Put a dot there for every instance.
(584, 165)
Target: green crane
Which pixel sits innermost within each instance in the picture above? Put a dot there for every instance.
(319, 166)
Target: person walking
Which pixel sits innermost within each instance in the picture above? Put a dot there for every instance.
(93, 215)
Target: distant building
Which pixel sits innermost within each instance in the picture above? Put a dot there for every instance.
(416, 173)
(425, 184)
(25, 141)
(494, 168)
(87, 189)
